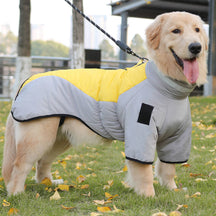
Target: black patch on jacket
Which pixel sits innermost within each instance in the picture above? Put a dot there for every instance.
(145, 114)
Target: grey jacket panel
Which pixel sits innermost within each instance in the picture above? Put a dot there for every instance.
(154, 114)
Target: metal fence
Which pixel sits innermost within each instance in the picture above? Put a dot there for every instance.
(43, 64)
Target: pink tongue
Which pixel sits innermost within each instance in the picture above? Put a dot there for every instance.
(191, 70)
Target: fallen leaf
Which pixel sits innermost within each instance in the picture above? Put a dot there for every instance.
(104, 209)
(110, 182)
(37, 196)
(64, 187)
(195, 174)
(200, 180)
(175, 213)
(67, 208)
(46, 181)
(55, 196)
(5, 203)
(181, 206)
(125, 169)
(69, 157)
(88, 194)
(125, 184)
(80, 179)
(13, 211)
(95, 214)
(116, 210)
(1, 179)
(186, 165)
(84, 186)
(102, 202)
(63, 163)
(196, 195)
(209, 162)
(106, 187)
(99, 202)
(159, 214)
(123, 154)
(109, 196)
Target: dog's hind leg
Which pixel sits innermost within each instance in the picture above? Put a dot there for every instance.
(165, 173)
(140, 177)
(9, 150)
(33, 140)
(43, 169)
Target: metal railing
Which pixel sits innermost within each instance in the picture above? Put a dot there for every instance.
(43, 64)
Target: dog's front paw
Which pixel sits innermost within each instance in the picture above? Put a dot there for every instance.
(170, 184)
(147, 191)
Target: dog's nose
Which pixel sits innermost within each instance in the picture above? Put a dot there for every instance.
(195, 48)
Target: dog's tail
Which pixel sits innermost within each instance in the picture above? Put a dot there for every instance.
(9, 150)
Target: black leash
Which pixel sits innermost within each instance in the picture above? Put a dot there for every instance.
(119, 43)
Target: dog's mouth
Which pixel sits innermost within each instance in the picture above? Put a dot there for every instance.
(190, 67)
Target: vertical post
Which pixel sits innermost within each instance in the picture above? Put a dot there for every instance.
(124, 27)
(77, 52)
(210, 87)
(23, 60)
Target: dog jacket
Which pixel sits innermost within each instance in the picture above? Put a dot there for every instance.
(138, 105)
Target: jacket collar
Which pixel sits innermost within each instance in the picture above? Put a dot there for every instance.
(166, 85)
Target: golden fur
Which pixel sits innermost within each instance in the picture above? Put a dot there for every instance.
(42, 140)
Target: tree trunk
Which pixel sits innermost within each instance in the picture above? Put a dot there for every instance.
(23, 61)
(77, 52)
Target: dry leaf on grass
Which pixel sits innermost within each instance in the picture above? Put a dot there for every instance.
(63, 187)
(175, 213)
(200, 180)
(159, 214)
(104, 209)
(109, 196)
(5, 203)
(55, 196)
(80, 179)
(125, 184)
(95, 214)
(13, 211)
(101, 202)
(195, 174)
(181, 206)
(123, 154)
(116, 210)
(185, 165)
(84, 186)
(67, 208)
(87, 195)
(37, 196)
(110, 183)
(63, 163)
(195, 195)
(46, 181)
(125, 169)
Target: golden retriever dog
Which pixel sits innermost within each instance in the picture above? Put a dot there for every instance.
(146, 106)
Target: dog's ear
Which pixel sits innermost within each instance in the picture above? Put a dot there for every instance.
(153, 32)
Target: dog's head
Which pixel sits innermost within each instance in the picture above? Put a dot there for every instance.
(178, 44)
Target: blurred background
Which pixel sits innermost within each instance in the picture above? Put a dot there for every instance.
(55, 31)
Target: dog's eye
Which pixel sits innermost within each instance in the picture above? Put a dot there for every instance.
(197, 29)
(176, 31)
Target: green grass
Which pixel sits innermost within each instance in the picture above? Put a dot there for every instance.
(99, 164)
